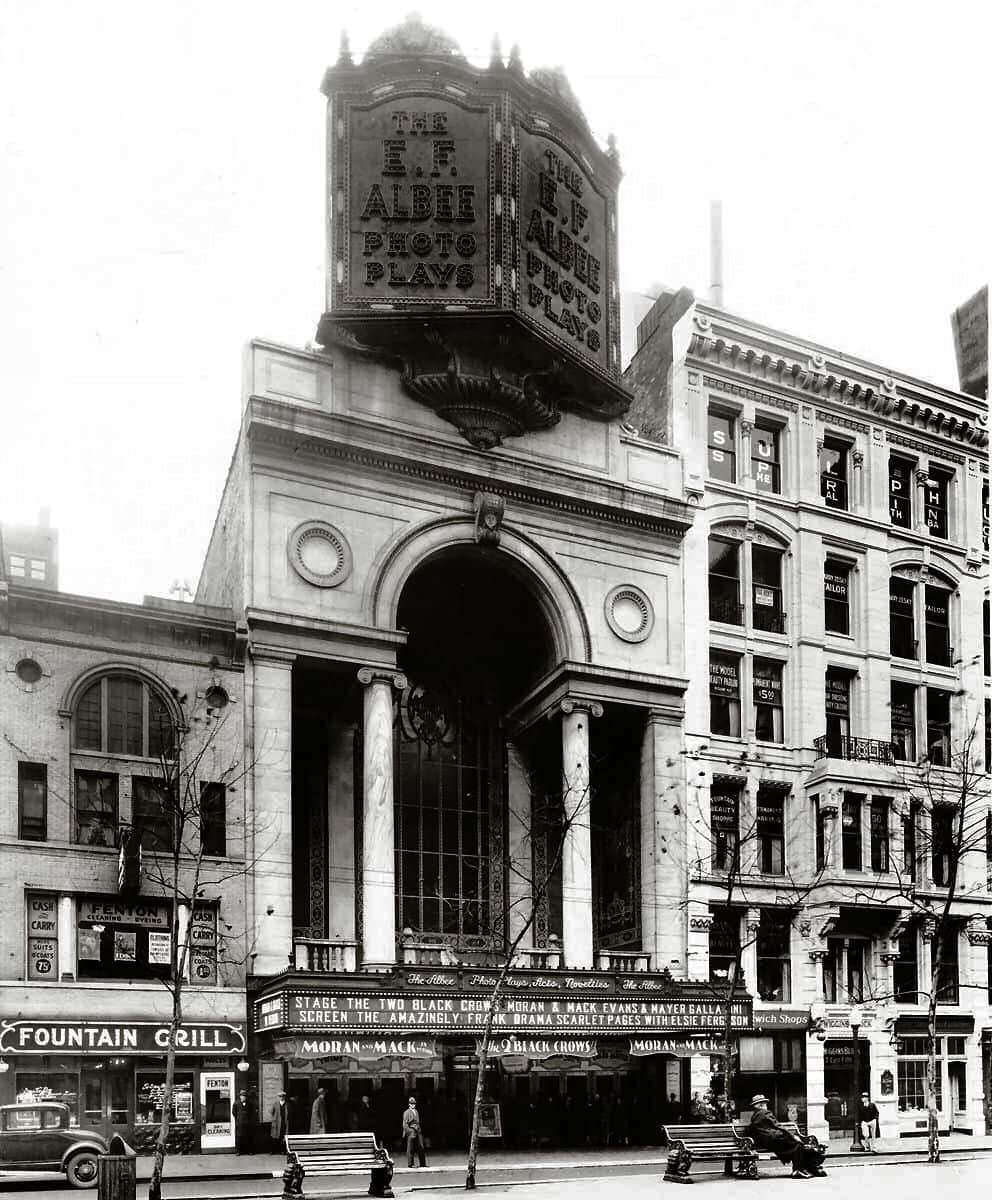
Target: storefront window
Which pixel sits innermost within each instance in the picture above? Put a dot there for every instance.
(59, 1087)
(768, 725)
(725, 694)
(150, 1088)
(117, 940)
(43, 937)
(912, 1073)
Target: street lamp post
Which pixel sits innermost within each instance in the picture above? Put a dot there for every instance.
(857, 1146)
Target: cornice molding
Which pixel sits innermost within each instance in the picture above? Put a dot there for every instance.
(897, 439)
(746, 393)
(672, 519)
(814, 376)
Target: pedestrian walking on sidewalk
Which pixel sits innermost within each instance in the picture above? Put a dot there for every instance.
(279, 1124)
(868, 1120)
(318, 1113)
(413, 1134)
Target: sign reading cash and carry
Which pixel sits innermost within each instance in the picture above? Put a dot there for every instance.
(313, 1010)
(121, 1037)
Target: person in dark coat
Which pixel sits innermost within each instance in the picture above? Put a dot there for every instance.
(868, 1120)
(244, 1123)
(318, 1113)
(279, 1124)
(767, 1133)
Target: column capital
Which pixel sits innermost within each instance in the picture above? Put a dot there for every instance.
(273, 656)
(390, 675)
(570, 705)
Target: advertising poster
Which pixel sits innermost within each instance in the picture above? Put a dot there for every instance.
(159, 946)
(89, 945)
(43, 954)
(125, 945)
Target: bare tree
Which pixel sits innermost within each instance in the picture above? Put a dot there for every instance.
(183, 823)
(947, 821)
(743, 857)
(552, 817)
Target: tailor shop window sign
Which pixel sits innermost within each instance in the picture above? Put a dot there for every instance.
(418, 227)
(375, 1011)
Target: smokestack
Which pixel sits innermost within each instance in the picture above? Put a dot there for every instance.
(716, 253)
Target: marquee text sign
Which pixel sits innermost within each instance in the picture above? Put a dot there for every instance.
(312, 1010)
(418, 201)
(361, 1049)
(119, 1037)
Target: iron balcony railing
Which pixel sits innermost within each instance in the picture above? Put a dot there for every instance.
(855, 749)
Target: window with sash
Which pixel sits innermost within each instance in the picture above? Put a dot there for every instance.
(770, 830)
(121, 714)
(937, 604)
(833, 473)
(838, 711)
(766, 573)
(836, 596)
(721, 457)
(32, 801)
(939, 727)
(900, 492)
(765, 465)
(851, 858)
(902, 712)
(935, 498)
(724, 825)
(902, 623)
(906, 968)
(879, 834)
(774, 956)
(725, 582)
(725, 694)
(725, 943)
(767, 687)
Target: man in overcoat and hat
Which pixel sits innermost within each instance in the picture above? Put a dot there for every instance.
(805, 1154)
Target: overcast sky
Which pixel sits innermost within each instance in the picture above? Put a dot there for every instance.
(161, 201)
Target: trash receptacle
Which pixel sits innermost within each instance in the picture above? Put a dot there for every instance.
(117, 1174)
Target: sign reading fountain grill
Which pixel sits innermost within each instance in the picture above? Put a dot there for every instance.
(472, 235)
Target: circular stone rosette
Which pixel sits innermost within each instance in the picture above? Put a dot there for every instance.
(320, 554)
(629, 613)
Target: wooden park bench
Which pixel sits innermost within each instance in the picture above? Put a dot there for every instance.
(708, 1143)
(335, 1154)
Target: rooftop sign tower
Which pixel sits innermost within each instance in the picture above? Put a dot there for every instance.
(472, 235)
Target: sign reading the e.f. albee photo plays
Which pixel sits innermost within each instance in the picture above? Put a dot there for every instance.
(564, 231)
(419, 188)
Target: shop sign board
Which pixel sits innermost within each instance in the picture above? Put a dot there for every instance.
(361, 1049)
(782, 1019)
(562, 1013)
(147, 915)
(503, 1047)
(122, 1037)
(216, 1108)
(680, 1047)
(836, 1019)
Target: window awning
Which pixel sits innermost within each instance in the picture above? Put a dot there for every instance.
(914, 1025)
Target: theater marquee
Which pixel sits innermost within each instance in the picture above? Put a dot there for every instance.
(472, 238)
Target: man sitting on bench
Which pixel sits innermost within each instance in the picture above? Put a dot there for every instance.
(806, 1157)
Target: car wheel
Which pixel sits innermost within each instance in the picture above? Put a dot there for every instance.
(80, 1170)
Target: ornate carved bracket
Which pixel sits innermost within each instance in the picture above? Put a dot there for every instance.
(489, 510)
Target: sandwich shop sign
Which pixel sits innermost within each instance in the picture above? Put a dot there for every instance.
(119, 1037)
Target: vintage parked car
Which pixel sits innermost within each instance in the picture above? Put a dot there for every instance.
(38, 1137)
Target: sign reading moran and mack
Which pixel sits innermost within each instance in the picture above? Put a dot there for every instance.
(121, 1037)
(311, 1010)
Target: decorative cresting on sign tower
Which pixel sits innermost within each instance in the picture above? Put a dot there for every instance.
(472, 235)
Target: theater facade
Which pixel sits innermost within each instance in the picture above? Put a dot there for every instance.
(460, 573)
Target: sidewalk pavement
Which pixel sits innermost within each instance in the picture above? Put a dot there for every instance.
(268, 1166)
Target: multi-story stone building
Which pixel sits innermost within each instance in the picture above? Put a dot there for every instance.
(92, 694)
(521, 669)
(836, 578)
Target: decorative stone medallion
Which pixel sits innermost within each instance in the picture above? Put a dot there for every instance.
(29, 670)
(629, 613)
(320, 554)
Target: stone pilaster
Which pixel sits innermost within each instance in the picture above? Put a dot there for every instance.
(521, 885)
(271, 829)
(576, 864)
(378, 835)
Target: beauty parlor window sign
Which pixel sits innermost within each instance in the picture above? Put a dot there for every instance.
(383, 1013)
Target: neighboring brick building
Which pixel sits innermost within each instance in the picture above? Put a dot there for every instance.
(88, 697)
(837, 571)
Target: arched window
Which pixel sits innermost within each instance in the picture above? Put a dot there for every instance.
(122, 714)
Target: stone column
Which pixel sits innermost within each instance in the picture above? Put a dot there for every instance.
(67, 938)
(749, 950)
(520, 822)
(745, 474)
(378, 841)
(576, 861)
(857, 498)
(664, 830)
(270, 830)
(919, 516)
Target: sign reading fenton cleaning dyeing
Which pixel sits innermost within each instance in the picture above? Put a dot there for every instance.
(375, 1011)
